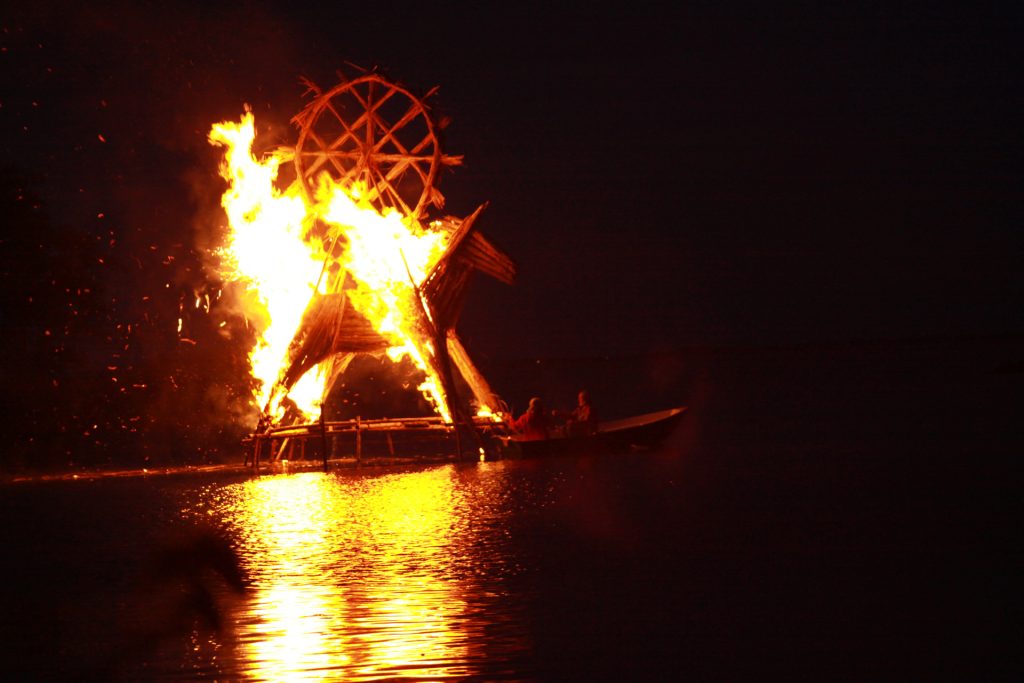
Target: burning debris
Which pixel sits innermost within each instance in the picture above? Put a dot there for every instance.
(346, 258)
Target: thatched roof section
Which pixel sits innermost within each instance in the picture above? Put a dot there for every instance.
(330, 326)
(470, 247)
(468, 250)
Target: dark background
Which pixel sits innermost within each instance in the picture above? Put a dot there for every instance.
(665, 177)
(804, 222)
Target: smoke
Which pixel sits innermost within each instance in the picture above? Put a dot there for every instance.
(233, 411)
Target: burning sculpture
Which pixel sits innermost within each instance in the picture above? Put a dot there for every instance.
(347, 258)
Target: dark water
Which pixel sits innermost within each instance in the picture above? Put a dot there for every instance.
(829, 513)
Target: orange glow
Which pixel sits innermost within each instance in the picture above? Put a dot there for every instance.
(273, 252)
(487, 413)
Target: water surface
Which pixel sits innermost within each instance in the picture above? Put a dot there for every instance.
(821, 515)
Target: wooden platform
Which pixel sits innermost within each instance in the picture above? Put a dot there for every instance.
(418, 438)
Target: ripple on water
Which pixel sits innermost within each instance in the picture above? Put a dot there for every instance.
(363, 577)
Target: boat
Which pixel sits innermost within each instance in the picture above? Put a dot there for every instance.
(640, 432)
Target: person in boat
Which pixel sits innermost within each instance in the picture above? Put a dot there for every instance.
(583, 419)
(534, 424)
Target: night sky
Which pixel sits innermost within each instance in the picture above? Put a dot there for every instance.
(705, 174)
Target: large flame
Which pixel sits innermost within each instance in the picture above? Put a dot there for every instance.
(271, 251)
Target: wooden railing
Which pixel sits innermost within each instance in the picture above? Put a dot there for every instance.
(273, 444)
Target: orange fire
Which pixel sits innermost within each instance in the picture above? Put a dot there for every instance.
(273, 251)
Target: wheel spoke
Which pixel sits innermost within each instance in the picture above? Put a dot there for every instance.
(357, 154)
(349, 132)
(370, 149)
(391, 132)
(385, 189)
(323, 158)
(371, 115)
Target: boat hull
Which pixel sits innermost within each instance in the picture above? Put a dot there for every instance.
(641, 432)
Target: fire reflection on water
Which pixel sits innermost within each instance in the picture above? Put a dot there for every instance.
(357, 577)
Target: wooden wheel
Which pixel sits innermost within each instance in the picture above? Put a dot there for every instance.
(372, 131)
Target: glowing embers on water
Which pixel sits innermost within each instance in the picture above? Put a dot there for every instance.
(286, 248)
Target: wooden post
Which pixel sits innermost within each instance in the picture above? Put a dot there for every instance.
(323, 438)
(458, 438)
(482, 391)
(359, 442)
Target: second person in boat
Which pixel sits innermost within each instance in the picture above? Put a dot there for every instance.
(583, 419)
